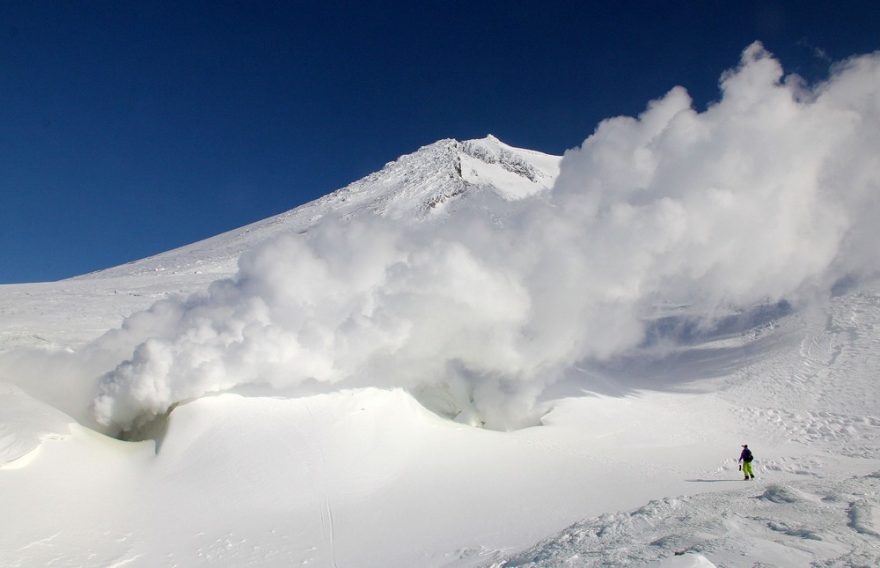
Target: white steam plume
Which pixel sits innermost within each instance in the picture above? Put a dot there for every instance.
(770, 193)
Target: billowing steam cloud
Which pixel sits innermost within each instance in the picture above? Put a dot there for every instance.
(770, 193)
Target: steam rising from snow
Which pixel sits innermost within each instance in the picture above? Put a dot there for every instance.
(770, 193)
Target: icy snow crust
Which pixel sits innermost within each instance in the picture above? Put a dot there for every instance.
(633, 463)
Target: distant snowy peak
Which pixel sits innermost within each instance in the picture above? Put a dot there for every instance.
(411, 188)
(512, 172)
(422, 182)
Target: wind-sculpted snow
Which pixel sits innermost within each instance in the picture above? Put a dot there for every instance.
(807, 523)
(770, 194)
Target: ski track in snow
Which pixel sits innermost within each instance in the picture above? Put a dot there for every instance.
(328, 536)
(824, 402)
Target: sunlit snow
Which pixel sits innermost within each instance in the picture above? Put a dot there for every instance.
(485, 356)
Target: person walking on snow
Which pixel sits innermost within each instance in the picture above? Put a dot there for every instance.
(745, 458)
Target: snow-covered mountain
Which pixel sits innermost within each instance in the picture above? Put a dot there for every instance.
(309, 389)
(370, 478)
(417, 187)
(413, 187)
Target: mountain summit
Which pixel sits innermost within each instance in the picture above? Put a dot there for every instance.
(412, 187)
(421, 183)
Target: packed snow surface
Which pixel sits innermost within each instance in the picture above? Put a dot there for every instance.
(485, 356)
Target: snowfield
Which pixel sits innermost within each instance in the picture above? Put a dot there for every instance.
(369, 477)
(484, 356)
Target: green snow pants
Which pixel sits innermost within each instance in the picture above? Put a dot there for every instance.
(747, 470)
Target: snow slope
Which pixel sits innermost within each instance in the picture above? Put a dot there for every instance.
(417, 187)
(370, 478)
(635, 456)
(811, 397)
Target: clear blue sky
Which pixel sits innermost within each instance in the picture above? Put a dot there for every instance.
(131, 128)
